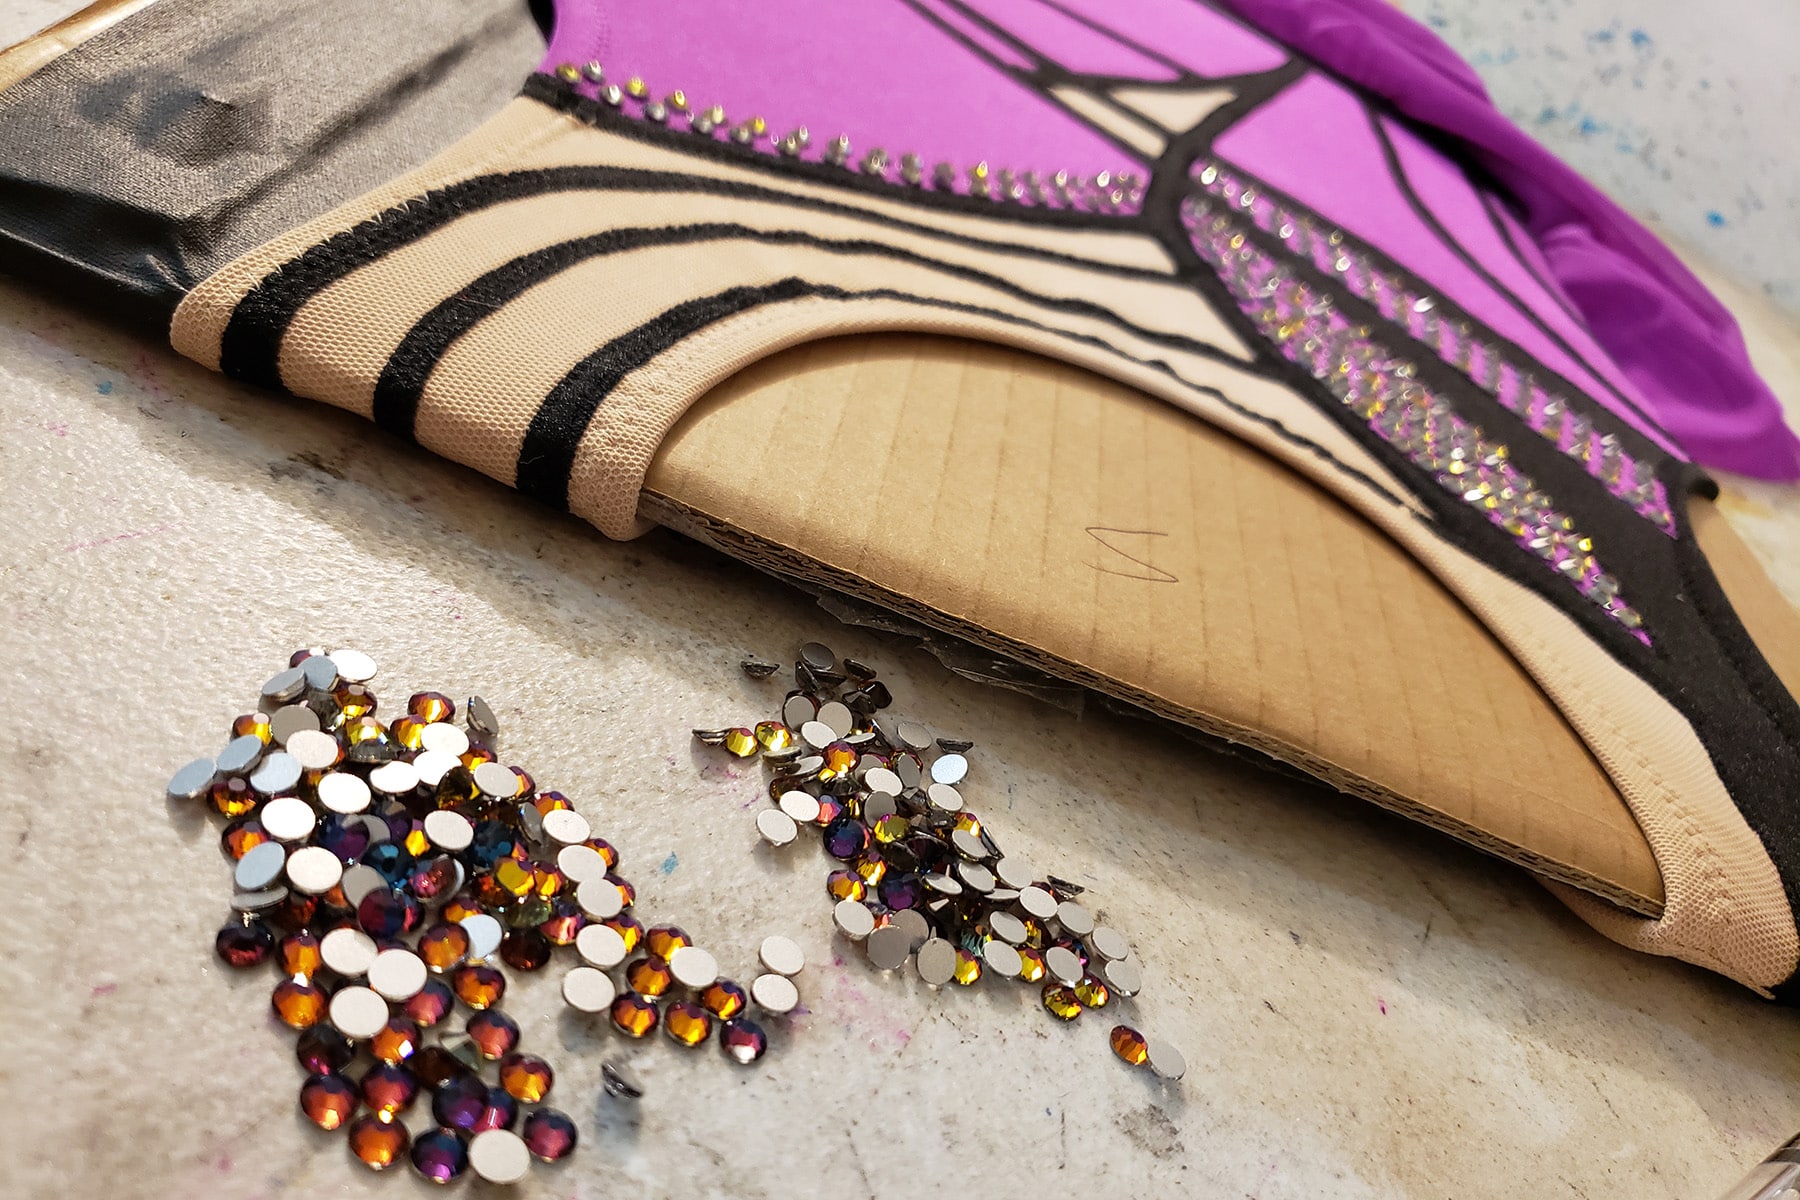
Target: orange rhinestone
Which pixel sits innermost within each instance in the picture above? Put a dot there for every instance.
(1061, 1002)
(741, 742)
(475, 756)
(354, 700)
(1032, 968)
(298, 1003)
(665, 940)
(649, 976)
(687, 1022)
(633, 1015)
(477, 985)
(431, 707)
(549, 802)
(1092, 993)
(967, 822)
(514, 877)
(444, 946)
(565, 923)
(299, 954)
(548, 882)
(526, 1077)
(253, 725)
(870, 868)
(241, 836)
(328, 1100)
(627, 927)
(968, 967)
(723, 999)
(233, 797)
(364, 729)
(378, 1141)
(840, 760)
(846, 885)
(396, 1041)
(462, 905)
(1130, 1045)
(406, 731)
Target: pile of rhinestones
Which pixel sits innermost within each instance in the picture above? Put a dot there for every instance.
(391, 870)
(922, 879)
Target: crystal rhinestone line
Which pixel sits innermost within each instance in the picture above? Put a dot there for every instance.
(917, 878)
(1380, 386)
(1489, 364)
(392, 868)
(1114, 193)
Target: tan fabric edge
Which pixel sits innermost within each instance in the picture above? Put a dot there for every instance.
(45, 46)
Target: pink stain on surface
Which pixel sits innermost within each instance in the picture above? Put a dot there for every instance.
(121, 537)
(104, 989)
(59, 428)
(1382, 1005)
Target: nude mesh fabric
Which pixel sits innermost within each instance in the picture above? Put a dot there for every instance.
(1724, 908)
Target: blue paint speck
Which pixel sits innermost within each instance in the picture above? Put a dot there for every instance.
(104, 387)
(1546, 115)
(1601, 35)
(1589, 126)
(1437, 20)
(1715, 218)
(1639, 38)
(670, 863)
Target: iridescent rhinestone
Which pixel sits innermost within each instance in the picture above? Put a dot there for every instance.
(565, 924)
(386, 913)
(241, 836)
(233, 797)
(1061, 1001)
(549, 1135)
(493, 1034)
(846, 838)
(294, 911)
(628, 928)
(774, 736)
(396, 1041)
(526, 1077)
(649, 976)
(468, 1103)
(478, 985)
(901, 891)
(633, 1015)
(1031, 964)
(254, 725)
(444, 946)
(525, 950)
(686, 1022)
(328, 1100)
(298, 1003)
(322, 1050)
(968, 967)
(378, 1142)
(1092, 992)
(440, 1156)
(431, 1005)
(1130, 1045)
(724, 999)
(388, 1090)
(461, 907)
(663, 940)
(846, 885)
(436, 1067)
(743, 1040)
(740, 742)
(245, 943)
(431, 707)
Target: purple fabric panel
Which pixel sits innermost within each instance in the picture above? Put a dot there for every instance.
(1201, 39)
(1314, 142)
(1658, 322)
(1001, 50)
(874, 69)
(1446, 191)
(1063, 40)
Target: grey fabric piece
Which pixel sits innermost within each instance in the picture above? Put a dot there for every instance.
(143, 159)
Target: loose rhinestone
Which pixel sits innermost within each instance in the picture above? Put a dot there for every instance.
(741, 742)
(633, 1015)
(743, 1040)
(478, 985)
(525, 950)
(378, 1142)
(444, 946)
(254, 725)
(431, 1005)
(588, 990)
(244, 944)
(724, 999)
(385, 913)
(549, 1135)
(846, 838)
(298, 1003)
(526, 1077)
(1130, 1045)
(241, 836)
(441, 1156)
(468, 1103)
(396, 1042)
(233, 797)
(388, 1090)
(436, 1067)
(664, 940)
(566, 922)
(649, 976)
(328, 1100)
(686, 1022)
(493, 1033)
(968, 967)
(322, 1050)
(774, 737)
(629, 928)
(1061, 1001)
(1092, 992)
(846, 885)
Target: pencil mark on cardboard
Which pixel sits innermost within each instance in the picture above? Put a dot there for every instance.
(1142, 568)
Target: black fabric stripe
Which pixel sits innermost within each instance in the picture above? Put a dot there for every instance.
(547, 455)
(403, 377)
(251, 344)
(1423, 211)
(1488, 206)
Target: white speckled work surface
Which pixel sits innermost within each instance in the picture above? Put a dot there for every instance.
(1369, 1010)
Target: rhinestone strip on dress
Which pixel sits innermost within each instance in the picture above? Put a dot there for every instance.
(1471, 350)
(1116, 193)
(1379, 386)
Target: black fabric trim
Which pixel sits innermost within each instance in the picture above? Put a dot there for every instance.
(403, 378)
(548, 454)
(1423, 211)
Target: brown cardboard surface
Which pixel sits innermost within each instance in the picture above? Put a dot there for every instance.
(1112, 540)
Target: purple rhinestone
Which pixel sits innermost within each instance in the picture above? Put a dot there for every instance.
(846, 837)
(346, 837)
(441, 1155)
(901, 891)
(469, 1104)
(549, 1134)
(323, 1050)
(385, 913)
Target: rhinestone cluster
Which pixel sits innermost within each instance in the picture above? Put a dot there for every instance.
(1489, 362)
(919, 879)
(1112, 192)
(1379, 385)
